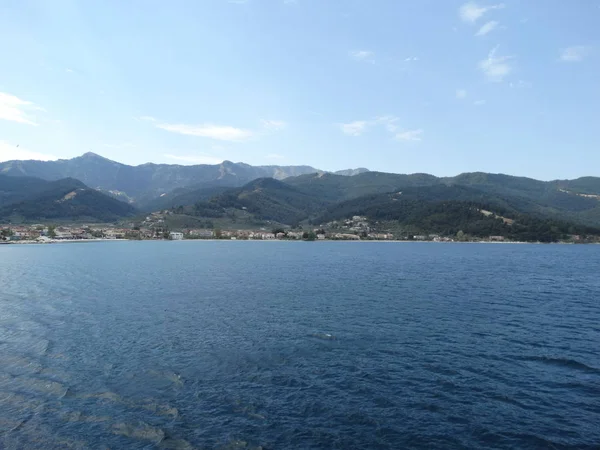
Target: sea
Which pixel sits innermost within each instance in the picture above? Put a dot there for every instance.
(299, 345)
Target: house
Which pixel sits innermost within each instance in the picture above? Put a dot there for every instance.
(201, 233)
(175, 236)
(351, 237)
(63, 234)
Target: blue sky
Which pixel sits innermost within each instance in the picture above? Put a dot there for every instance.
(432, 86)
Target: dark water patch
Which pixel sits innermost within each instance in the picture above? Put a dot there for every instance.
(565, 363)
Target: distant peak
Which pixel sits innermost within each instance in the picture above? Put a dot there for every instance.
(92, 155)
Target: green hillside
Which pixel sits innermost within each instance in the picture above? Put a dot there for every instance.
(266, 199)
(31, 199)
(448, 211)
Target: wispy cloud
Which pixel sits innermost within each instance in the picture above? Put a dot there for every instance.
(208, 130)
(362, 55)
(17, 110)
(487, 27)
(409, 135)
(494, 67)
(471, 12)
(390, 123)
(10, 152)
(218, 132)
(411, 59)
(273, 125)
(195, 159)
(521, 84)
(461, 94)
(574, 54)
(275, 156)
(355, 128)
(479, 102)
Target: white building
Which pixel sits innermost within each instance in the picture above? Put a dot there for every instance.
(175, 236)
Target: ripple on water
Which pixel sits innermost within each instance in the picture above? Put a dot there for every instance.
(566, 363)
(139, 430)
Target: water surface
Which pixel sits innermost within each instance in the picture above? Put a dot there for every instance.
(280, 345)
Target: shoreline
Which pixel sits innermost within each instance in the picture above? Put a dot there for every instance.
(390, 241)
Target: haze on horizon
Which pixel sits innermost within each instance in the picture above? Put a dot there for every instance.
(405, 87)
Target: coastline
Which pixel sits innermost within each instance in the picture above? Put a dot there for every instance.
(390, 241)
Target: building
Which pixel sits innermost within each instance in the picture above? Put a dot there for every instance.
(175, 236)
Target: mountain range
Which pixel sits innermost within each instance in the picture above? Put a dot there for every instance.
(289, 195)
(140, 185)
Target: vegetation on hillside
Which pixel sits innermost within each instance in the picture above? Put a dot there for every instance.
(62, 199)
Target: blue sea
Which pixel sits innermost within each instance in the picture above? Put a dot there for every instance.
(283, 345)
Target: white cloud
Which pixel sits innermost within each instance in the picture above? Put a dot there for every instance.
(275, 156)
(355, 128)
(388, 121)
(218, 132)
(195, 159)
(520, 84)
(409, 135)
(471, 12)
(495, 68)
(411, 59)
(574, 54)
(362, 55)
(273, 125)
(207, 130)
(16, 110)
(10, 152)
(479, 102)
(487, 28)
(461, 94)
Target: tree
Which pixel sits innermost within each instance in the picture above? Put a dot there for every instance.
(461, 236)
(51, 231)
(309, 236)
(218, 233)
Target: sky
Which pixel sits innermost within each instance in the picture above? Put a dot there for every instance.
(434, 86)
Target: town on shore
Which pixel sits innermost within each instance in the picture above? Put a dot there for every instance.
(156, 228)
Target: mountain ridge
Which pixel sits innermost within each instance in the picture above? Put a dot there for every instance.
(33, 199)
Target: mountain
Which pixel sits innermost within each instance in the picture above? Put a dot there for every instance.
(266, 199)
(450, 211)
(445, 209)
(334, 188)
(14, 189)
(525, 195)
(33, 199)
(144, 183)
(152, 187)
(351, 172)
